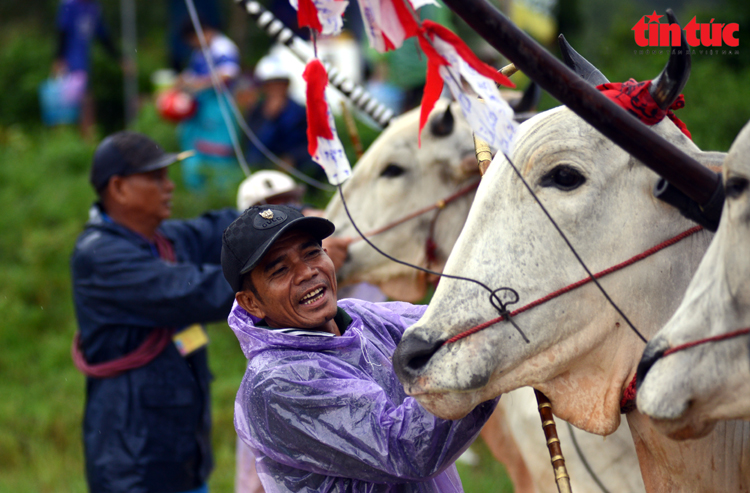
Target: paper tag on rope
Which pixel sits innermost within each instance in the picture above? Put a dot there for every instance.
(331, 156)
(492, 120)
(450, 61)
(389, 22)
(329, 14)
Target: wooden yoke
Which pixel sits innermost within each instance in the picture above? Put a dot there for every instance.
(553, 443)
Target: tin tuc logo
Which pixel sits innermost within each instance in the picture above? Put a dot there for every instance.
(654, 33)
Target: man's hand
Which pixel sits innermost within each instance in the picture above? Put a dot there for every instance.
(336, 247)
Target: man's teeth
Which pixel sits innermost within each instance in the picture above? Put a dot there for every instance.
(312, 296)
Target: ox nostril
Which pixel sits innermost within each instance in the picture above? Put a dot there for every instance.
(654, 350)
(411, 355)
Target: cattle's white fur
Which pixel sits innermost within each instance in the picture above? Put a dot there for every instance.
(581, 353)
(440, 167)
(686, 392)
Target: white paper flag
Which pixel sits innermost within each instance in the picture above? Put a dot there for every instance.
(492, 120)
(331, 156)
(380, 19)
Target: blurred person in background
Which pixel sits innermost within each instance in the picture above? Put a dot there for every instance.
(78, 23)
(206, 131)
(142, 287)
(179, 50)
(279, 122)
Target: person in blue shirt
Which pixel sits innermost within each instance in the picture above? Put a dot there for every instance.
(79, 22)
(206, 131)
(142, 287)
(279, 122)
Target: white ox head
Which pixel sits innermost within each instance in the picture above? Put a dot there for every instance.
(395, 178)
(581, 352)
(687, 391)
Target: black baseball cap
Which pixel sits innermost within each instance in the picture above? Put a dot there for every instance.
(127, 153)
(249, 237)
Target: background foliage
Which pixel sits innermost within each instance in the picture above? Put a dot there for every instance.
(44, 198)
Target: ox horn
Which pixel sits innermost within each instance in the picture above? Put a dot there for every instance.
(669, 83)
(580, 65)
(699, 183)
(529, 100)
(443, 125)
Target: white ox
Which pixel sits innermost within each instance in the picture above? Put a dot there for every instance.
(581, 353)
(395, 178)
(686, 392)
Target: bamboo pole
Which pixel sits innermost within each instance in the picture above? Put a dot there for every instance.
(553, 443)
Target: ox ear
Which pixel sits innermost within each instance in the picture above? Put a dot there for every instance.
(443, 125)
(669, 83)
(580, 65)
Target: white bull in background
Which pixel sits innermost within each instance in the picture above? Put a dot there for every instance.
(580, 353)
(395, 178)
(686, 392)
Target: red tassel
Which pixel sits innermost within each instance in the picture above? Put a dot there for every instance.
(307, 15)
(317, 109)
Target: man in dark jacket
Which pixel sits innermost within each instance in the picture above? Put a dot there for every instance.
(142, 286)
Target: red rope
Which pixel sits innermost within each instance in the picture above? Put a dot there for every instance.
(627, 403)
(720, 337)
(437, 205)
(577, 284)
(149, 349)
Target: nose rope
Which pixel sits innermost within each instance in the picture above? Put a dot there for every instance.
(716, 338)
(578, 284)
(627, 403)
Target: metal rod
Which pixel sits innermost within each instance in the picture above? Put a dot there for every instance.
(553, 443)
(666, 159)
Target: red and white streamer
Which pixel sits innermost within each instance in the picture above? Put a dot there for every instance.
(449, 60)
(323, 142)
(322, 15)
(389, 22)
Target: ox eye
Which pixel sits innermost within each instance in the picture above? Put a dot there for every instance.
(563, 177)
(735, 186)
(392, 171)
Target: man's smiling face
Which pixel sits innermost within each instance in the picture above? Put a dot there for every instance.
(295, 283)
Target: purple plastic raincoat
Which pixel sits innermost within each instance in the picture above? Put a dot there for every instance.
(328, 413)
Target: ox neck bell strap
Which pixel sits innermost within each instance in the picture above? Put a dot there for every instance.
(635, 98)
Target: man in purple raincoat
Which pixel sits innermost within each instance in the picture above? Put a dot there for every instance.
(320, 405)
